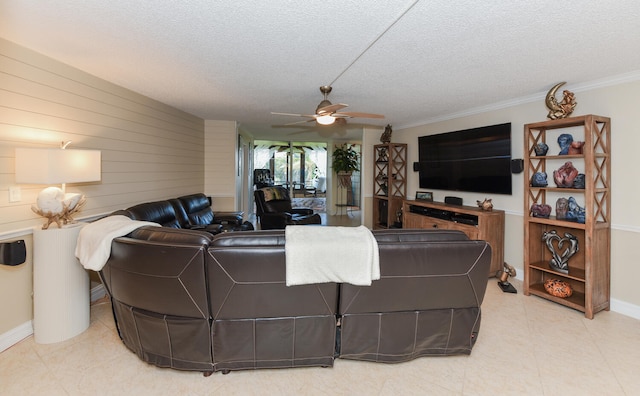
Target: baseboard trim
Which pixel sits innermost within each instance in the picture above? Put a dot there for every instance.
(17, 334)
(98, 292)
(625, 308)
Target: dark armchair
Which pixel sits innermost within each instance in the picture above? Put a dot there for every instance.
(273, 207)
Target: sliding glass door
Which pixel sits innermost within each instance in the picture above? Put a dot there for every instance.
(298, 166)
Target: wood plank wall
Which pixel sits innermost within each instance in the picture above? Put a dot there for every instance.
(149, 150)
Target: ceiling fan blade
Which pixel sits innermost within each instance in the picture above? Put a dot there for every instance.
(331, 108)
(300, 122)
(295, 115)
(350, 114)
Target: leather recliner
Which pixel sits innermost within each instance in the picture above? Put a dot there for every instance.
(274, 210)
(187, 212)
(196, 213)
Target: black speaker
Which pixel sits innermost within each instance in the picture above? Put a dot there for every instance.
(517, 165)
(453, 200)
(13, 253)
(416, 166)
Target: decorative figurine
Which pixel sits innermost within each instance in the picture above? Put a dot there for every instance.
(540, 210)
(503, 278)
(539, 179)
(560, 259)
(564, 140)
(565, 175)
(541, 149)
(575, 148)
(383, 156)
(398, 222)
(562, 206)
(579, 181)
(574, 211)
(386, 135)
(561, 109)
(485, 205)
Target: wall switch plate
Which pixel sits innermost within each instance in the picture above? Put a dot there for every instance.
(15, 194)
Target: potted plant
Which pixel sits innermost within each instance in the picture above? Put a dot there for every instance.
(345, 162)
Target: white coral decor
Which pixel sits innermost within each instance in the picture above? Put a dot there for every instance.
(50, 200)
(57, 206)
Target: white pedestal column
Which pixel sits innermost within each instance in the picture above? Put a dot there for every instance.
(61, 295)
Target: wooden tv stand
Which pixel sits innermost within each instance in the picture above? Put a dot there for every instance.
(473, 221)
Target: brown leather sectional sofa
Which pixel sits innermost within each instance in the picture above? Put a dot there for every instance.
(191, 300)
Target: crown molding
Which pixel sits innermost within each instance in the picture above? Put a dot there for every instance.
(581, 87)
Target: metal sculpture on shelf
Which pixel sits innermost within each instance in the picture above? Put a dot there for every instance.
(555, 244)
(561, 109)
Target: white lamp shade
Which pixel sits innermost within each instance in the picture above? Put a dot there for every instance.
(57, 166)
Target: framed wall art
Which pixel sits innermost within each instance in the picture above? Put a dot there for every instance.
(424, 196)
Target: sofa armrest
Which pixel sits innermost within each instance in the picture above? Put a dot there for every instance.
(228, 218)
(275, 221)
(212, 228)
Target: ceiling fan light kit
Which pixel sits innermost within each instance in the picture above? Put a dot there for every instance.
(327, 113)
(325, 120)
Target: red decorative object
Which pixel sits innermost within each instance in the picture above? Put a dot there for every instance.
(575, 148)
(558, 288)
(565, 174)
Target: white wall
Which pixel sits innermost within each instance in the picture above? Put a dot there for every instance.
(221, 139)
(619, 102)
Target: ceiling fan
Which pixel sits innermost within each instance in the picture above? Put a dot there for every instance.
(328, 113)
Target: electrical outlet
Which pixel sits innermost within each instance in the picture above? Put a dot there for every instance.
(15, 194)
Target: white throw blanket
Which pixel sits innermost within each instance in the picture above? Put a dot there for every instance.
(316, 254)
(94, 241)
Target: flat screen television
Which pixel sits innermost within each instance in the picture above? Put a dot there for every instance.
(473, 160)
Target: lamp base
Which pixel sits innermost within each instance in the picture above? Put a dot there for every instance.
(507, 287)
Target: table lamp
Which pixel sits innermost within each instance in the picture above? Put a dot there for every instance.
(57, 166)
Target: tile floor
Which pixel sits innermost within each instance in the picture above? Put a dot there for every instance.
(526, 346)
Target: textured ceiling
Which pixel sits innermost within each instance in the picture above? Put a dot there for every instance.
(240, 60)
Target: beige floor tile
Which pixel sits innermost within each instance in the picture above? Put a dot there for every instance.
(526, 346)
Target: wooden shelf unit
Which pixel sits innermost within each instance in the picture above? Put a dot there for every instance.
(589, 269)
(389, 182)
(476, 223)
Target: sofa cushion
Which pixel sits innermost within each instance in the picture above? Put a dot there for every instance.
(161, 212)
(172, 236)
(197, 209)
(419, 235)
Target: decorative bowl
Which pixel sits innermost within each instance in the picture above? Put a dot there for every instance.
(558, 288)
